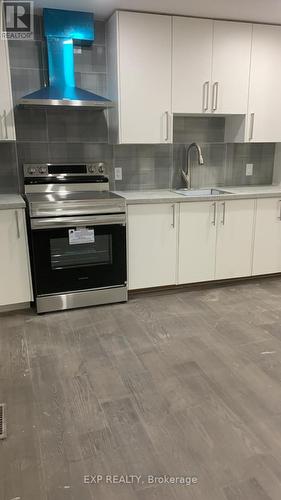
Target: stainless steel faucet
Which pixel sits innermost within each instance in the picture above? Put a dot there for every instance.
(186, 173)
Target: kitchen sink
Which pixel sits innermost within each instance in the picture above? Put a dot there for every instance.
(200, 192)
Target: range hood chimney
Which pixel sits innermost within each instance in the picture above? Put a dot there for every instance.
(63, 29)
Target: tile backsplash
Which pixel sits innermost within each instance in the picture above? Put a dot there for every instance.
(198, 129)
(8, 168)
(260, 155)
(143, 166)
(56, 135)
(225, 164)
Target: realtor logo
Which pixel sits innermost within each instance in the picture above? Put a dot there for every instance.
(17, 20)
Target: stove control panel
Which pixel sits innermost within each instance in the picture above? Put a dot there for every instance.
(64, 170)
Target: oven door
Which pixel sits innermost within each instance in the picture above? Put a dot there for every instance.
(78, 253)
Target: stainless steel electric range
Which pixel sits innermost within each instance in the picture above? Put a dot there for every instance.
(77, 236)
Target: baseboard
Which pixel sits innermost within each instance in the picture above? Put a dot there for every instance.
(14, 307)
(201, 285)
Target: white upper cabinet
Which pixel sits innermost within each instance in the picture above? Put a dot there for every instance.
(140, 52)
(264, 124)
(159, 65)
(7, 125)
(231, 67)
(211, 65)
(192, 64)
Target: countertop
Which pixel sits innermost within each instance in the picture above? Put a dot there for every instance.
(10, 201)
(168, 196)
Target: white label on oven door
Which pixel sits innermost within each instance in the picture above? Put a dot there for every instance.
(81, 235)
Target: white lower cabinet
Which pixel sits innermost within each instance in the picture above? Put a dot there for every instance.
(215, 240)
(15, 283)
(152, 242)
(267, 241)
(235, 225)
(197, 242)
(191, 242)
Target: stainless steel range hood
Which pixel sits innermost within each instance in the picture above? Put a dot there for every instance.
(65, 97)
(63, 29)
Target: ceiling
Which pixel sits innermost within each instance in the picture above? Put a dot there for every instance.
(249, 10)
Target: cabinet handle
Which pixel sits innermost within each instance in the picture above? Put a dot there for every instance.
(206, 88)
(174, 216)
(5, 124)
(167, 126)
(17, 223)
(223, 214)
(279, 216)
(214, 214)
(215, 96)
(252, 122)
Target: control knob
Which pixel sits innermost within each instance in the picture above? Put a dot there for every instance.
(32, 170)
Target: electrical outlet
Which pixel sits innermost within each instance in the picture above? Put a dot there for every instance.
(118, 173)
(77, 50)
(249, 168)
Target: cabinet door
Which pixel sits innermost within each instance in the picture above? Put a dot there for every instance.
(197, 241)
(264, 98)
(15, 284)
(145, 78)
(192, 61)
(152, 241)
(267, 241)
(7, 126)
(231, 67)
(234, 239)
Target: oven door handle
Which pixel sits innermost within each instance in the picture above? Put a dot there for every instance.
(60, 222)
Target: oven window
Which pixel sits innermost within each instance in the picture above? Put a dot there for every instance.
(66, 256)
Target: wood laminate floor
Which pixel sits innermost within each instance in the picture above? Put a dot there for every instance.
(183, 384)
